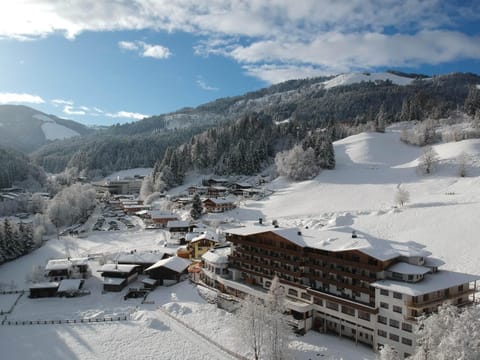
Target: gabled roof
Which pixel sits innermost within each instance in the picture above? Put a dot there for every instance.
(173, 263)
(118, 268)
(70, 285)
(44, 285)
(60, 264)
(219, 201)
(207, 235)
(177, 223)
(140, 257)
(338, 240)
(158, 214)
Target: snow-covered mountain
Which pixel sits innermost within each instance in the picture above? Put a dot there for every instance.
(26, 129)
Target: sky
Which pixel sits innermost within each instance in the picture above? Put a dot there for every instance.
(105, 62)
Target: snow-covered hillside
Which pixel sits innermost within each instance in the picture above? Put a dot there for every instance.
(442, 215)
(442, 212)
(54, 131)
(353, 78)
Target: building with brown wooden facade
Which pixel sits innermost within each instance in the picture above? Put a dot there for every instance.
(367, 289)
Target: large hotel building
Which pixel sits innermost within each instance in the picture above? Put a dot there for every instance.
(368, 289)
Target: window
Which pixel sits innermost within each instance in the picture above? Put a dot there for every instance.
(394, 337)
(394, 323)
(306, 296)
(397, 309)
(406, 341)
(383, 292)
(331, 305)
(292, 292)
(382, 333)
(363, 315)
(383, 305)
(382, 319)
(318, 301)
(407, 327)
(397, 295)
(348, 310)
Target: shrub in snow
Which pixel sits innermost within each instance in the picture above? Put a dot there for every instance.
(297, 164)
(401, 195)
(428, 161)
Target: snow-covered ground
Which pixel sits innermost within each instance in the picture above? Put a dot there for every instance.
(54, 131)
(130, 173)
(353, 78)
(441, 214)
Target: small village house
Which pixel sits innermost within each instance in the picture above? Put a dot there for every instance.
(201, 244)
(59, 269)
(168, 271)
(117, 276)
(213, 205)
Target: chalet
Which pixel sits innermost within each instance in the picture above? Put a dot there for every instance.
(238, 188)
(59, 269)
(133, 208)
(168, 271)
(70, 287)
(117, 276)
(367, 289)
(200, 190)
(162, 218)
(142, 259)
(217, 191)
(215, 182)
(201, 244)
(212, 205)
(44, 289)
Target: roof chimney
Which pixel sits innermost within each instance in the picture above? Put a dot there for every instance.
(260, 221)
(354, 234)
(299, 233)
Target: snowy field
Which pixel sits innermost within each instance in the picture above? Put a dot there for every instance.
(442, 214)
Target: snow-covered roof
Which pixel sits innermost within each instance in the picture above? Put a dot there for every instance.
(140, 257)
(431, 282)
(338, 240)
(408, 269)
(217, 256)
(177, 223)
(243, 184)
(158, 214)
(113, 280)
(207, 235)
(149, 281)
(433, 262)
(44, 285)
(119, 268)
(70, 285)
(60, 264)
(219, 201)
(174, 263)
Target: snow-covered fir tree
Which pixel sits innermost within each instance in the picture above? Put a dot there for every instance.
(197, 207)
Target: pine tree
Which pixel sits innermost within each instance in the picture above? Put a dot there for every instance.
(8, 240)
(197, 207)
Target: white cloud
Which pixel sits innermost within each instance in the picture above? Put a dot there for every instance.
(203, 85)
(70, 110)
(146, 50)
(61, 102)
(127, 45)
(15, 98)
(281, 36)
(127, 115)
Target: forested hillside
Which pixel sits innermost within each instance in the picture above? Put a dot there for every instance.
(17, 167)
(297, 107)
(25, 129)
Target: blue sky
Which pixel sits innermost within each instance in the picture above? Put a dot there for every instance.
(105, 62)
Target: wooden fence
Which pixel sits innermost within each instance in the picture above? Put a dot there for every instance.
(6, 322)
